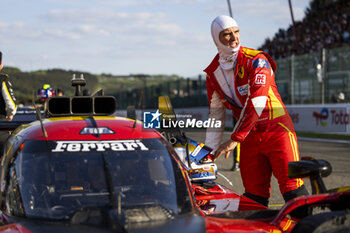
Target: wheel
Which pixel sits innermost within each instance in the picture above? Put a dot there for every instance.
(324, 222)
(338, 224)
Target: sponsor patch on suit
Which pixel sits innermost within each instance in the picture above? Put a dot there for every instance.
(260, 79)
(243, 90)
(261, 63)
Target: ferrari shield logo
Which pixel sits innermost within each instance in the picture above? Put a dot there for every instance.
(241, 72)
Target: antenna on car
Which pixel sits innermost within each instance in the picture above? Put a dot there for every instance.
(140, 105)
(38, 117)
(131, 111)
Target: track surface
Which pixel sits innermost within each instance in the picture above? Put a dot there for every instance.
(338, 154)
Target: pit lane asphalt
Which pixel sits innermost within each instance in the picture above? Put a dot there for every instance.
(335, 152)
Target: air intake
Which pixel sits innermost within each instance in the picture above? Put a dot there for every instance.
(80, 105)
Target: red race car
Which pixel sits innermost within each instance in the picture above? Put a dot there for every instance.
(80, 169)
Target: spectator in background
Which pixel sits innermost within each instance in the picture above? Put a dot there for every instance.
(86, 92)
(338, 98)
(44, 93)
(7, 98)
(334, 98)
(59, 92)
(324, 26)
(341, 97)
(346, 36)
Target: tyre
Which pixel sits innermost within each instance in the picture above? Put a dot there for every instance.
(330, 222)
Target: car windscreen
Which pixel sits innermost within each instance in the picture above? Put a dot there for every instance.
(58, 178)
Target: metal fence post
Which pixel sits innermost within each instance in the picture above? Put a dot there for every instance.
(188, 86)
(200, 89)
(178, 87)
(323, 75)
(292, 79)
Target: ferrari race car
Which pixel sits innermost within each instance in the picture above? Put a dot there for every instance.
(81, 169)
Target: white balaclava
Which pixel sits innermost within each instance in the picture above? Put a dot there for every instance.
(227, 54)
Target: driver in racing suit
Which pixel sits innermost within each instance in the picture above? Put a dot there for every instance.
(7, 99)
(243, 80)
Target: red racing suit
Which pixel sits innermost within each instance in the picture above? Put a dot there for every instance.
(264, 128)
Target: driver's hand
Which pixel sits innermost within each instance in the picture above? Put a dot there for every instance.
(226, 148)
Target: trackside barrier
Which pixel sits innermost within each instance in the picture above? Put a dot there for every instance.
(327, 118)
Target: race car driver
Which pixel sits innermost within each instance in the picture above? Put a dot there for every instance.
(243, 80)
(7, 99)
(45, 92)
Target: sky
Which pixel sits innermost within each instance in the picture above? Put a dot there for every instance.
(123, 37)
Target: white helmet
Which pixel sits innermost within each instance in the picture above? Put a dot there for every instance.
(219, 24)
